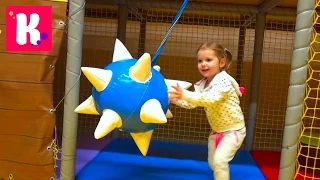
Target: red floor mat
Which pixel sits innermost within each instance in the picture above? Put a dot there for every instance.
(269, 162)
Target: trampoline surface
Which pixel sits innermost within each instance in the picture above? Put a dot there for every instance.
(121, 159)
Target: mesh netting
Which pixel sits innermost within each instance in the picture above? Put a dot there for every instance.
(274, 82)
(308, 163)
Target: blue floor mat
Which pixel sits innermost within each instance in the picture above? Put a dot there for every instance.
(121, 160)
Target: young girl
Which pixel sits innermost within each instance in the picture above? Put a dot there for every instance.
(218, 93)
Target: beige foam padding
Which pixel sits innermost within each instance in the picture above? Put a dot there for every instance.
(26, 88)
(26, 69)
(25, 96)
(36, 120)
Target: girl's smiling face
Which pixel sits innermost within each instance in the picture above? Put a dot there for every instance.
(209, 64)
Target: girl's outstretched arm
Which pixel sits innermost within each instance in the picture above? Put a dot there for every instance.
(222, 89)
(184, 104)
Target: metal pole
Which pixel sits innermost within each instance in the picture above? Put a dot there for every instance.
(267, 5)
(255, 80)
(122, 23)
(296, 92)
(200, 6)
(241, 44)
(142, 34)
(70, 118)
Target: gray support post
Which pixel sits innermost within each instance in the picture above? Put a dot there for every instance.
(267, 5)
(255, 78)
(70, 118)
(142, 34)
(296, 92)
(241, 44)
(122, 23)
(121, 35)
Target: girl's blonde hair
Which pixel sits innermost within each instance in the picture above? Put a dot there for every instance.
(221, 53)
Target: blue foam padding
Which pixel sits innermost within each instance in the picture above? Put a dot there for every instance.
(121, 160)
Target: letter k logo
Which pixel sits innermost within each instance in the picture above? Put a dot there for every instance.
(29, 28)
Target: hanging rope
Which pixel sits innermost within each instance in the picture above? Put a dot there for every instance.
(176, 18)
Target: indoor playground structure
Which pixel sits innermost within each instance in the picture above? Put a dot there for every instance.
(52, 104)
